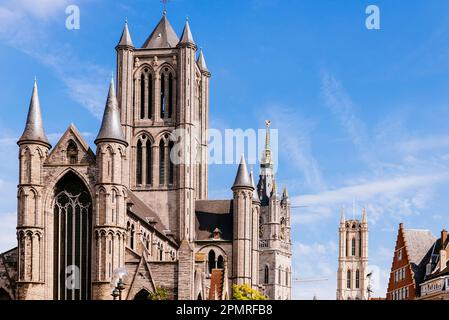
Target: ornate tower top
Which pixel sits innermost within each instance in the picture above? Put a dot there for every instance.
(111, 127)
(266, 157)
(34, 129)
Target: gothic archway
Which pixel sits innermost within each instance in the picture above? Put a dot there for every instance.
(142, 295)
(72, 239)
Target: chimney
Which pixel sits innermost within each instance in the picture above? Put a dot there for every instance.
(443, 237)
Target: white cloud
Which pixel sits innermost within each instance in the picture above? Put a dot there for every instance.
(25, 26)
(366, 191)
(295, 139)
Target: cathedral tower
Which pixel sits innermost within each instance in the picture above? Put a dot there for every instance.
(352, 282)
(163, 96)
(33, 151)
(274, 231)
(110, 218)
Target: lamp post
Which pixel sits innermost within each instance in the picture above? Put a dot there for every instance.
(117, 283)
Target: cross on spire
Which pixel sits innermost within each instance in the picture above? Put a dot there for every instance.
(165, 5)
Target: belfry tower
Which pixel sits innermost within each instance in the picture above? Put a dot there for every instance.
(352, 282)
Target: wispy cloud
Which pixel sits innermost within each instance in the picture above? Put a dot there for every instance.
(295, 143)
(26, 26)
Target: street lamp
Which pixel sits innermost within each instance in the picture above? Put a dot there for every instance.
(117, 283)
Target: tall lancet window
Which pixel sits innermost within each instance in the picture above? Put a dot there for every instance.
(142, 96)
(348, 279)
(353, 247)
(139, 164)
(162, 162)
(149, 164)
(72, 239)
(357, 279)
(266, 274)
(171, 166)
(150, 96)
(170, 95)
(163, 97)
(360, 246)
(72, 153)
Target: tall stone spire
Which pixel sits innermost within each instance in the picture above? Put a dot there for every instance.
(255, 195)
(342, 216)
(125, 39)
(111, 127)
(243, 178)
(187, 38)
(364, 219)
(34, 129)
(202, 62)
(266, 181)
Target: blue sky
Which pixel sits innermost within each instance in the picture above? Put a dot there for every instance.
(362, 114)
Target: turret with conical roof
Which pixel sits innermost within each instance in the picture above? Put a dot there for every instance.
(201, 62)
(187, 37)
(34, 128)
(111, 127)
(242, 224)
(242, 179)
(125, 39)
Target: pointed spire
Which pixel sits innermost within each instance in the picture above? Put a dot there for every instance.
(34, 129)
(274, 191)
(163, 36)
(285, 194)
(266, 157)
(364, 220)
(111, 127)
(125, 39)
(202, 62)
(242, 180)
(255, 195)
(342, 217)
(187, 38)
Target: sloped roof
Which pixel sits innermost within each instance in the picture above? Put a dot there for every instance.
(146, 214)
(216, 284)
(418, 243)
(212, 214)
(125, 39)
(242, 178)
(163, 36)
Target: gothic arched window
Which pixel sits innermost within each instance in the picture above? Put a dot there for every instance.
(348, 279)
(220, 262)
(357, 279)
(72, 152)
(72, 238)
(149, 164)
(170, 95)
(142, 96)
(139, 164)
(266, 275)
(162, 162)
(150, 96)
(163, 96)
(171, 166)
(353, 246)
(131, 239)
(211, 261)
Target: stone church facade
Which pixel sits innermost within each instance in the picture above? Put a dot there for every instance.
(84, 215)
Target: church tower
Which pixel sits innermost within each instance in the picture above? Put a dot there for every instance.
(352, 282)
(33, 151)
(110, 218)
(163, 96)
(274, 231)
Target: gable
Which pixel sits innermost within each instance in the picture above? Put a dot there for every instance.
(71, 144)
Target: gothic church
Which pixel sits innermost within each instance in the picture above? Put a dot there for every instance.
(127, 209)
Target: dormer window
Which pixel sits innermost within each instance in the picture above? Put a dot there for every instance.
(72, 153)
(400, 255)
